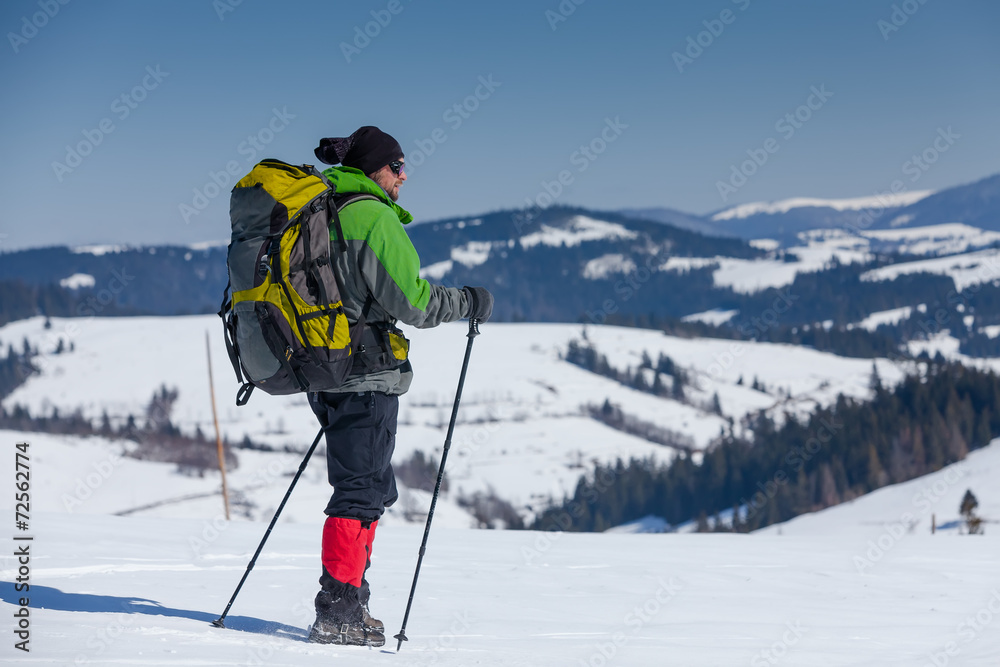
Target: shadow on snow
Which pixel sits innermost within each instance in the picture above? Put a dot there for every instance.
(46, 597)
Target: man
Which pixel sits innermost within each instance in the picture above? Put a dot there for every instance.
(379, 275)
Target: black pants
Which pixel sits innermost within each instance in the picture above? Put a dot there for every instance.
(360, 438)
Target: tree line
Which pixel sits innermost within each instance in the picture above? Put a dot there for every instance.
(931, 419)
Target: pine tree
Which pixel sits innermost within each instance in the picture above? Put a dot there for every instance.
(677, 392)
(876, 476)
(875, 382)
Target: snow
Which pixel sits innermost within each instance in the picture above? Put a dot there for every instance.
(943, 239)
(750, 276)
(78, 280)
(143, 591)
(817, 248)
(747, 276)
(682, 264)
(891, 316)
(605, 265)
(99, 250)
(914, 504)
(93, 475)
(715, 317)
(522, 430)
(437, 270)
(473, 253)
(853, 204)
(941, 342)
(715, 365)
(991, 331)
(765, 244)
(208, 245)
(578, 229)
(967, 269)
(647, 524)
(863, 583)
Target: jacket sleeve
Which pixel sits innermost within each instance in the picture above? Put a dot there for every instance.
(390, 267)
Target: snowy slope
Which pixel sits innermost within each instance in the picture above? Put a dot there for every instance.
(911, 504)
(935, 239)
(92, 475)
(522, 431)
(128, 591)
(966, 269)
(851, 204)
(891, 316)
(813, 250)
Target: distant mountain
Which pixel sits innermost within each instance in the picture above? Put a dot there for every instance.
(556, 265)
(976, 204)
(567, 263)
(669, 216)
(784, 219)
(158, 280)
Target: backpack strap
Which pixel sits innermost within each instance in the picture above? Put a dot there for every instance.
(246, 388)
(346, 200)
(340, 203)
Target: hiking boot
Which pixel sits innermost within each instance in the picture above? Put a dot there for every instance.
(370, 622)
(342, 620)
(345, 634)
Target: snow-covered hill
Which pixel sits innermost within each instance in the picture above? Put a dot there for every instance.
(93, 475)
(976, 204)
(951, 249)
(851, 204)
(523, 432)
(966, 269)
(914, 506)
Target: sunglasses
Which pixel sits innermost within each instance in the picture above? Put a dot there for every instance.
(396, 166)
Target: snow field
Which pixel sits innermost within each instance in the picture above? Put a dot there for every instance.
(966, 269)
(521, 432)
(949, 238)
(108, 590)
(89, 475)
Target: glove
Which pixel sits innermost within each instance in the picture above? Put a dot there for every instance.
(481, 303)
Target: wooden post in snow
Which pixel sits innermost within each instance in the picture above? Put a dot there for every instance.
(218, 436)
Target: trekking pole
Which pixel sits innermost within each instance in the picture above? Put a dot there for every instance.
(220, 622)
(473, 332)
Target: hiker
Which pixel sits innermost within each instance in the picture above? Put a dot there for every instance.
(379, 276)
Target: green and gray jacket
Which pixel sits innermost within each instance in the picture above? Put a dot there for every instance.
(381, 262)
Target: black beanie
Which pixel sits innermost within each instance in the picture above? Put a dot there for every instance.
(369, 149)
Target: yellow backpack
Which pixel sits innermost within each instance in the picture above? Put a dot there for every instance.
(285, 326)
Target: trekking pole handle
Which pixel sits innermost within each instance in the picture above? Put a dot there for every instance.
(473, 327)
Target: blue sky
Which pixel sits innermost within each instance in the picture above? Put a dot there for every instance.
(210, 85)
